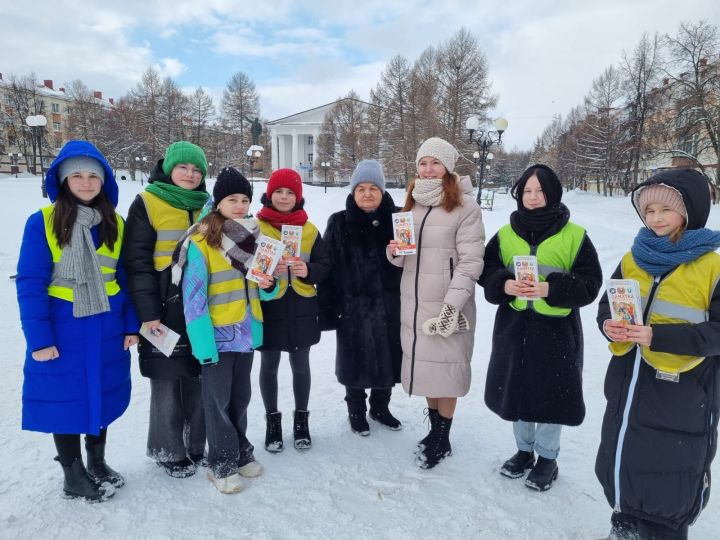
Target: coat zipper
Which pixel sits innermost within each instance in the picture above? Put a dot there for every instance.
(451, 268)
(417, 303)
(629, 402)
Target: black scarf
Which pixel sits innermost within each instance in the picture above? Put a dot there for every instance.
(536, 225)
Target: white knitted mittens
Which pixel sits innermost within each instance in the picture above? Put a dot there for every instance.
(451, 320)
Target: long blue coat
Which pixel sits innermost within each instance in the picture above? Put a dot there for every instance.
(88, 386)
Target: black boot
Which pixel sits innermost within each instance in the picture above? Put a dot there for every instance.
(273, 432)
(543, 474)
(516, 466)
(301, 431)
(384, 416)
(179, 469)
(431, 415)
(79, 485)
(438, 447)
(359, 423)
(98, 469)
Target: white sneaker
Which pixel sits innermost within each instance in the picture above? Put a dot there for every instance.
(230, 484)
(251, 470)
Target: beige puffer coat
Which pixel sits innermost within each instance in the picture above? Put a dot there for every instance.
(444, 271)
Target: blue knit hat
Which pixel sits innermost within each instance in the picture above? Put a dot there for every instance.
(368, 170)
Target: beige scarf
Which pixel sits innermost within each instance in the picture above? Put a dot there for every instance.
(428, 192)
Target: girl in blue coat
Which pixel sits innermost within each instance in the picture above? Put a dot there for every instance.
(78, 321)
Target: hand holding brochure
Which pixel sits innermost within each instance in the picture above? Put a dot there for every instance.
(291, 236)
(526, 269)
(164, 341)
(625, 300)
(266, 257)
(404, 233)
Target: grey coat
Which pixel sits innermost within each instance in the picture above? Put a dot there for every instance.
(449, 260)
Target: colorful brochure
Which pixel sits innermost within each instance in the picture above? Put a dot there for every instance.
(404, 233)
(625, 300)
(267, 255)
(291, 236)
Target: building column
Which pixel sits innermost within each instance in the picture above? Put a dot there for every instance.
(280, 163)
(274, 150)
(295, 158)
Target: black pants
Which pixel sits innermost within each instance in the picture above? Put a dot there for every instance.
(177, 419)
(355, 398)
(300, 365)
(68, 445)
(627, 526)
(226, 395)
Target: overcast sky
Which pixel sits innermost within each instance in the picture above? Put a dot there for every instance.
(301, 54)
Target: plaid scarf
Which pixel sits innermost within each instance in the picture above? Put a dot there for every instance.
(237, 246)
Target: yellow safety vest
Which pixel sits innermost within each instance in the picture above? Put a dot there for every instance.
(554, 254)
(170, 224)
(227, 296)
(108, 259)
(309, 234)
(682, 297)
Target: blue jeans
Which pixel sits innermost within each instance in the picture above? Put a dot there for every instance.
(543, 438)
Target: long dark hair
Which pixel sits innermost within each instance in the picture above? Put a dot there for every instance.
(65, 213)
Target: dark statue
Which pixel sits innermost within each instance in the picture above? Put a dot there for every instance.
(255, 130)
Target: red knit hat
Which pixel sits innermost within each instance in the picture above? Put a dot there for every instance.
(286, 178)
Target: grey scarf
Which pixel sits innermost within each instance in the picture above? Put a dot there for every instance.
(79, 267)
(428, 191)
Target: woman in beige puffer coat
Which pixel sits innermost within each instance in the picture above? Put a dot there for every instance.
(438, 291)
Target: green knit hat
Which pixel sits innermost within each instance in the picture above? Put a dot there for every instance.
(184, 152)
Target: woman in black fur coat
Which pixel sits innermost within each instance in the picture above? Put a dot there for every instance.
(361, 298)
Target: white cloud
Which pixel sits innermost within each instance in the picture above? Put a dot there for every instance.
(170, 67)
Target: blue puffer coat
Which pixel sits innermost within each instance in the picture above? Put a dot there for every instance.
(88, 385)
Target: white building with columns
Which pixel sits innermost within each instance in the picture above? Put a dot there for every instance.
(293, 139)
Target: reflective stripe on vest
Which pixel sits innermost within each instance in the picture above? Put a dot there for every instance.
(554, 254)
(309, 234)
(681, 297)
(227, 296)
(62, 288)
(170, 224)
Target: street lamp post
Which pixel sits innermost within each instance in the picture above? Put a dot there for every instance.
(37, 124)
(141, 168)
(325, 165)
(484, 139)
(253, 153)
(14, 162)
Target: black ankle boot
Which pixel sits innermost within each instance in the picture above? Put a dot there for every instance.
(359, 423)
(516, 466)
(98, 469)
(382, 415)
(79, 485)
(438, 447)
(301, 431)
(543, 474)
(273, 432)
(184, 468)
(431, 415)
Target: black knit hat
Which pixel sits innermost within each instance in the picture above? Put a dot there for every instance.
(229, 182)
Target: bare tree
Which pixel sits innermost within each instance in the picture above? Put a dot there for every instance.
(24, 101)
(201, 112)
(85, 116)
(240, 102)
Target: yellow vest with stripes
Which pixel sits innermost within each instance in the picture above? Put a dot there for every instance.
(107, 258)
(682, 297)
(554, 254)
(170, 224)
(309, 234)
(226, 295)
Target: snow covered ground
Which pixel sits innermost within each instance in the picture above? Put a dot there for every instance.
(346, 486)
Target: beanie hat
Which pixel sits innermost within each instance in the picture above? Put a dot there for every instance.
(368, 170)
(660, 193)
(184, 152)
(229, 182)
(286, 178)
(440, 149)
(80, 163)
